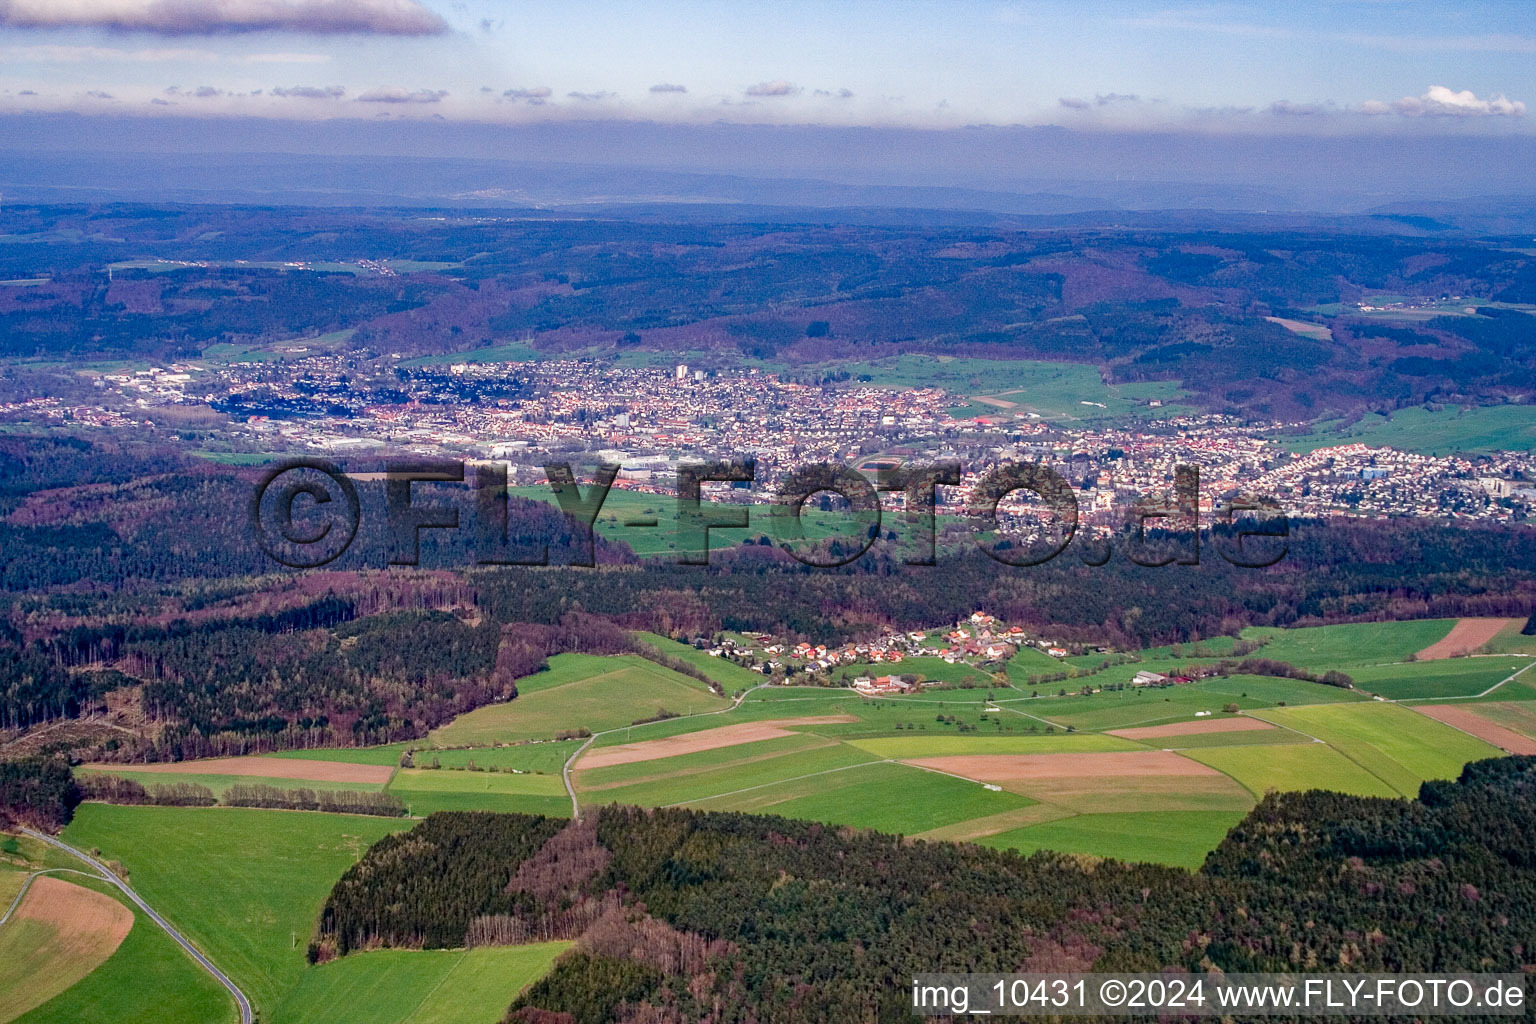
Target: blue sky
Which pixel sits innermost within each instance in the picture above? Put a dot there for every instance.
(1313, 67)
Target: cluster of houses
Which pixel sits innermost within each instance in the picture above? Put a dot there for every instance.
(977, 640)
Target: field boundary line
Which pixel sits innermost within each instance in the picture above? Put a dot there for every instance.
(1507, 679)
(780, 782)
(565, 771)
(463, 953)
(1356, 761)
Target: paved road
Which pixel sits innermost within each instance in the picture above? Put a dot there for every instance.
(246, 1016)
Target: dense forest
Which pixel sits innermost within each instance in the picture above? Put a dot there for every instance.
(38, 791)
(681, 915)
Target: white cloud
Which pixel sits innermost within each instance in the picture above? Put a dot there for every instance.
(535, 97)
(310, 92)
(668, 87)
(1440, 101)
(394, 94)
(212, 17)
(1289, 109)
(778, 87)
(590, 97)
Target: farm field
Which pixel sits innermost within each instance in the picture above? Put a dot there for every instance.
(1511, 640)
(262, 767)
(58, 934)
(426, 790)
(887, 797)
(388, 755)
(1292, 767)
(1054, 391)
(580, 690)
(388, 986)
(148, 980)
(1320, 648)
(1518, 716)
(1466, 718)
(938, 746)
(1179, 838)
(1401, 748)
(697, 777)
(244, 884)
(1452, 677)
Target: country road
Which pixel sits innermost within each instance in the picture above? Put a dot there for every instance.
(246, 1015)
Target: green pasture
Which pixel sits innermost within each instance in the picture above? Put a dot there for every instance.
(1398, 746)
(887, 797)
(1350, 645)
(1450, 677)
(246, 885)
(1178, 838)
(731, 676)
(579, 690)
(426, 790)
(1292, 767)
(435, 986)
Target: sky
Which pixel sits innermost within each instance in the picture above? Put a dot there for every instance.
(1319, 67)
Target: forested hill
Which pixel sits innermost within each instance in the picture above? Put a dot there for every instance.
(682, 915)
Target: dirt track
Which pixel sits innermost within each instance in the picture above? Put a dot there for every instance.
(694, 742)
(271, 767)
(1464, 638)
(1463, 719)
(1020, 767)
(1199, 725)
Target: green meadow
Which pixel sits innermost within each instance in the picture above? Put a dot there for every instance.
(1451, 677)
(1178, 838)
(1350, 645)
(147, 980)
(1398, 746)
(426, 790)
(582, 690)
(245, 885)
(1291, 767)
(912, 745)
(1055, 391)
(435, 986)
(547, 756)
(892, 798)
(385, 755)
